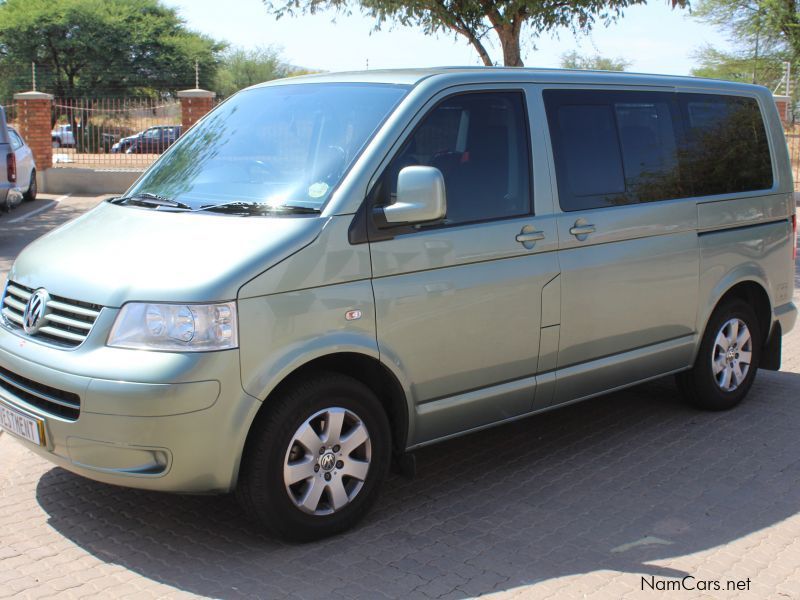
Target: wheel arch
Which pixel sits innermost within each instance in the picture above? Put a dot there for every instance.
(364, 368)
(751, 290)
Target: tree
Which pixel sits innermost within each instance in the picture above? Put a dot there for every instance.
(475, 19)
(766, 69)
(573, 60)
(757, 28)
(103, 47)
(240, 68)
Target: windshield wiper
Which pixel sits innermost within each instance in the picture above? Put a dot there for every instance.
(257, 208)
(151, 201)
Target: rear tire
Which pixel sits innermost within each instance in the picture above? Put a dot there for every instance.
(727, 361)
(300, 478)
(30, 195)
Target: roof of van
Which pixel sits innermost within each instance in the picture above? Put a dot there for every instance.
(516, 74)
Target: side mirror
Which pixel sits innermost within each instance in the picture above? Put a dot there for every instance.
(420, 196)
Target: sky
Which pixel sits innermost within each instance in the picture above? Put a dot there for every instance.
(654, 37)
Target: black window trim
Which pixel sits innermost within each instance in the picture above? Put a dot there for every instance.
(369, 225)
(681, 136)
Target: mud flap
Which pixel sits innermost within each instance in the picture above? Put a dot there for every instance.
(771, 354)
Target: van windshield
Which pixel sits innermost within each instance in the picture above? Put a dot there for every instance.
(277, 146)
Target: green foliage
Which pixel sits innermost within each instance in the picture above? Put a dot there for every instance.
(740, 66)
(240, 68)
(757, 28)
(475, 19)
(749, 21)
(573, 60)
(102, 47)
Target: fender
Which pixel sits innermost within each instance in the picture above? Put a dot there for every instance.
(746, 273)
(330, 346)
(293, 357)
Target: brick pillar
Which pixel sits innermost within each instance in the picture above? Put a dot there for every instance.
(194, 105)
(782, 103)
(34, 111)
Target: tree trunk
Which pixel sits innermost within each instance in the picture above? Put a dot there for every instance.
(509, 35)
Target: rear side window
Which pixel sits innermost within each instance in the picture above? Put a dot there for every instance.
(615, 148)
(726, 147)
(480, 143)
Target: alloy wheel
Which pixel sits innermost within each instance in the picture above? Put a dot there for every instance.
(327, 461)
(732, 354)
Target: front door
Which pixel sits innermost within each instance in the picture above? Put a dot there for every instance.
(458, 303)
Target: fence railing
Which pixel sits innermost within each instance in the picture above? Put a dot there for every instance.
(11, 110)
(793, 143)
(119, 133)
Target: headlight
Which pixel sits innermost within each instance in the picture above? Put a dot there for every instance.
(175, 327)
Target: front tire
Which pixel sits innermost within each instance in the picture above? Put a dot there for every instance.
(727, 361)
(314, 463)
(30, 195)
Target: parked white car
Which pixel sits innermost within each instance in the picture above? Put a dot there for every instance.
(19, 181)
(63, 136)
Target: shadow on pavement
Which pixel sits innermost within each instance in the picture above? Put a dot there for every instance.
(609, 484)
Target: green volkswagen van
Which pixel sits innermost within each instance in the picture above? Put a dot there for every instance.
(328, 272)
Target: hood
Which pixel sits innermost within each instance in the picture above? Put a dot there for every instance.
(115, 254)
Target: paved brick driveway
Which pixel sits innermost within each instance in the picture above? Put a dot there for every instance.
(580, 502)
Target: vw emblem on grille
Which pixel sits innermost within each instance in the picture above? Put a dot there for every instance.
(35, 310)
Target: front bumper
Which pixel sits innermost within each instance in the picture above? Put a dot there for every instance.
(163, 421)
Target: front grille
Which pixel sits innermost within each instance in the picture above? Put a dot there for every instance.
(54, 401)
(68, 322)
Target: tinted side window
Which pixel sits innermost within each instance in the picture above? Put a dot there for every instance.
(726, 148)
(649, 150)
(613, 148)
(479, 141)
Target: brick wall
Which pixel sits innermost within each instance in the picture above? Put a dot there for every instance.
(33, 116)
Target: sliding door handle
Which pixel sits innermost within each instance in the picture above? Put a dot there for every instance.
(581, 229)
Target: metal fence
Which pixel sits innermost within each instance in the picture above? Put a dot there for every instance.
(119, 133)
(793, 142)
(11, 110)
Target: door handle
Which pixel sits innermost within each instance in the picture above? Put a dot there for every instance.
(530, 236)
(581, 229)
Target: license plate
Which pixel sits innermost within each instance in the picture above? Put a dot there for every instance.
(22, 425)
